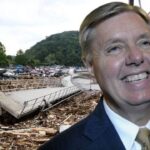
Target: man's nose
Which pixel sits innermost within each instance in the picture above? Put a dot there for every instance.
(134, 57)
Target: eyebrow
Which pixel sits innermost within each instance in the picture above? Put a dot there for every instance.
(144, 35)
(118, 40)
(113, 41)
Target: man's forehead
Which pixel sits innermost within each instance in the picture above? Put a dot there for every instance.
(120, 17)
(122, 21)
(132, 26)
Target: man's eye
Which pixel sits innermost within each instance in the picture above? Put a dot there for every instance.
(145, 44)
(113, 49)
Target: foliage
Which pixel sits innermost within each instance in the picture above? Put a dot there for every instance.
(51, 59)
(20, 58)
(10, 59)
(62, 48)
(3, 58)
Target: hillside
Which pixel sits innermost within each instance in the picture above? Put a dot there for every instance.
(62, 48)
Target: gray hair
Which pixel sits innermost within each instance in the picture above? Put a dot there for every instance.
(99, 15)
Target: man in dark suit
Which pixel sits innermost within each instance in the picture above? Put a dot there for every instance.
(115, 39)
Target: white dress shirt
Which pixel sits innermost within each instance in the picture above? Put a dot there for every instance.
(126, 129)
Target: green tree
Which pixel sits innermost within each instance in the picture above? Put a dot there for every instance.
(3, 58)
(62, 48)
(20, 58)
(10, 59)
(51, 59)
(33, 62)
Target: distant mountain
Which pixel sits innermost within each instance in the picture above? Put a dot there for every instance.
(62, 48)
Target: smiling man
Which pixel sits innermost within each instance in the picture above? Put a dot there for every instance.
(121, 64)
(115, 39)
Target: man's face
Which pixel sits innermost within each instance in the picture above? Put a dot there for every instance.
(121, 59)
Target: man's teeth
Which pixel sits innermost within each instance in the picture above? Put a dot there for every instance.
(133, 78)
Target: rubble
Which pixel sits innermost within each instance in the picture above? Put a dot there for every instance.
(25, 84)
(32, 131)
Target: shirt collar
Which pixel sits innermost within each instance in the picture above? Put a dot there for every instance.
(127, 130)
(148, 125)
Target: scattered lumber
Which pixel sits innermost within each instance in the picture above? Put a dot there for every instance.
(31, 132)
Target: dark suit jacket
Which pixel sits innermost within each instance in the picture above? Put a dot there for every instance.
(95, 132)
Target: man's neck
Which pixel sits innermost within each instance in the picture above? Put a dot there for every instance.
(139, 114)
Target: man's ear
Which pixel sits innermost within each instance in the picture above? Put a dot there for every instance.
(90, 69)
(89, 65)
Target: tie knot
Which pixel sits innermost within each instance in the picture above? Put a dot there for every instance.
(143, 138)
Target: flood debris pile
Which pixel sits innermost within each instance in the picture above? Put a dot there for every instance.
(30, 132)
(25, 84)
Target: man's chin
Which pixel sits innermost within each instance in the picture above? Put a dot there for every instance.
(139, 102)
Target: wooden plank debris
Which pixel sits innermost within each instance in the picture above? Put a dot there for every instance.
(33, 131)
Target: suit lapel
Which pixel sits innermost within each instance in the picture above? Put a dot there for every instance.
(101, 131)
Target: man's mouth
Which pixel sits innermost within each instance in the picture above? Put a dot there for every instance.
(137, 77)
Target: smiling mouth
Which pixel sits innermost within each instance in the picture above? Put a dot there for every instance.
(137, 77)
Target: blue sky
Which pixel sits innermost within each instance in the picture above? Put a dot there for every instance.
(26, 22)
